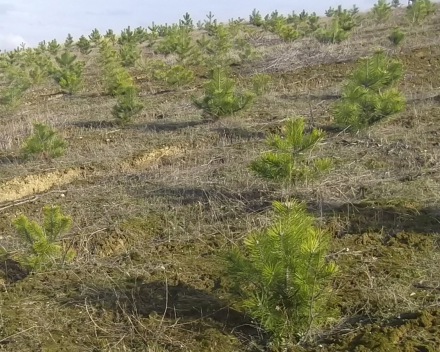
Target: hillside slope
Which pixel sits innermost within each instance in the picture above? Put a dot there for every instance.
(154, 202)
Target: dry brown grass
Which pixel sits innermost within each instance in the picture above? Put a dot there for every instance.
(154, 203)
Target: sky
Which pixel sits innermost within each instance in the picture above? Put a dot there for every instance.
(31, 21)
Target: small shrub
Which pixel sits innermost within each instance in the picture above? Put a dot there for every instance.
(129, 54)
(177, 41)
(83, 45)
(346, 18)
(45, 250)
(370, 94)
(68, 42)
(288, 160)
(334, 34)
(178, 76)
(69, 72)
(111, 36)
(53, 47)
(381, 11)
(396, 37)
(127, 37)
(44, 142)
(287, 32)
(260, 83)
(419, 10)
(95, 37)
(256, 19)
(282, 275)
(127, 106)
(116, 79)
(395, 4)
(220, 97)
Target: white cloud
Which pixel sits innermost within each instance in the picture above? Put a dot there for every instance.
(10, 41)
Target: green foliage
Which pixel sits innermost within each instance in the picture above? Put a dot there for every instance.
(313, 23)
(83, 45)
(11, 96)
(53, 47)
(116, 79)
(44, 142)
(44, 247)
(381, 11)
(396, 37)
(95, 37)
(287, 32)
(288, 161)
(220, 45)
(68, 42)
(111, 36)
(42, 46)
(220, 97)
(69, 73)
(354, 10)
(370, 96)
(419, 10)
(186, 22)
(346, 17)
(334, 34)
(128, 37)
(260, 83)
(129, 54)
(210, 24)
(256, 19)
(178, 76)
(16, 82)
(282, 275)
(178, 41)
(127, 106)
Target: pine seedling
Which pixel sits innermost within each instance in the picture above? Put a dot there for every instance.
(313, 23)
(69, 73)
(179, 76)
(95, 37)
(286, 32)
(83, 45)
(177, 41)
(334, 34)
(68, 42)
(346, 20)
(129, 54)
(42, 46)
(330, 12)
(127, 37)
(110, 36)
(127, 106)
(53, 47)
(45, 249)
(186, 22)
(44, 142)
(289, 160)
(256, 19)
(116, 79)
(221, 98)
(354, 10)
(282, 277)
(260, 83)
(419, 10)
(370, 94)
(396, 37)
(381, 11)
